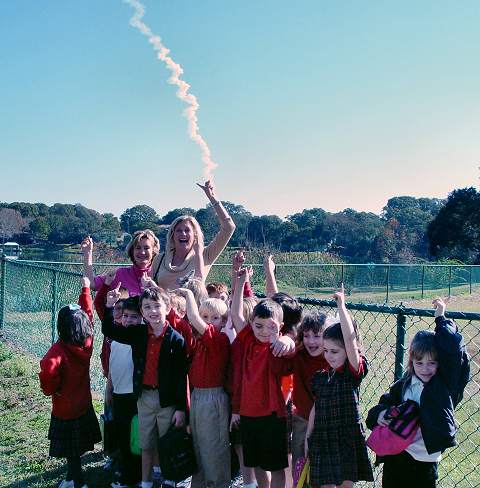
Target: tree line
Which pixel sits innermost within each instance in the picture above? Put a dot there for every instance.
(408, 229)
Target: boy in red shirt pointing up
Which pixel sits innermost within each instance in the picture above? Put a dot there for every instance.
(257, 402)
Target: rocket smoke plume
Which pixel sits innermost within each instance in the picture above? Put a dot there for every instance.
(183, 87)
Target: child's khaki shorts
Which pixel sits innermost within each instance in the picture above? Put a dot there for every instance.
(153, 420)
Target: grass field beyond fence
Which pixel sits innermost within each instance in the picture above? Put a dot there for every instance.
(33, 294)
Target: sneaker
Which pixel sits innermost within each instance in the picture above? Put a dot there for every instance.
(66, 484)
(108, 464)
(118, 484)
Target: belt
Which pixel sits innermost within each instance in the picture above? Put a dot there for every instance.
(149, 387)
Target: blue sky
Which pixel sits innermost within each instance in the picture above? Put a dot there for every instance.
(303, 104)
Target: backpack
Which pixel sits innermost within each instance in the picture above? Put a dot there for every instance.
(177, 457)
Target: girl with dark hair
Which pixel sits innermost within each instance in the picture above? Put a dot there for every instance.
(64, 375)
(335, 439)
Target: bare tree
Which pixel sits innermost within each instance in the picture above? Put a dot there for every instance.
(11, 223)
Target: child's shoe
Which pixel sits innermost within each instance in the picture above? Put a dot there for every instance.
(118, 484)
(66, 484)
(108, 464)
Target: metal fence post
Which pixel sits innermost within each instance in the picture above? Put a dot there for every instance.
(400, 345)
(449, 281)
(423, 280)
(3, 291)
(54, 304)
(388, 283)
(470, 268)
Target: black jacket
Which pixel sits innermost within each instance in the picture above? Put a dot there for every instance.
(172, 363)
(440, 395)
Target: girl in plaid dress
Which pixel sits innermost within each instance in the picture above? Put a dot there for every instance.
(335, 439)
(64, 375)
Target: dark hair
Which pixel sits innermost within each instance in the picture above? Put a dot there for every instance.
(73, 325)
(334, 333)
(423, 343)
(217, 288)
(292, 311)
(268, 309)
(131, 303)
(314, 321)
(155, 294)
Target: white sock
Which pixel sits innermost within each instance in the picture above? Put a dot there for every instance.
(250, 485)
(147, 484)
(156, 469)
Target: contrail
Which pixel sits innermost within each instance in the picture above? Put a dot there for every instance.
(191, 100)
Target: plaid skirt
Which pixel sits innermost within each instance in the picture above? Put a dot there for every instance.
(73, 437)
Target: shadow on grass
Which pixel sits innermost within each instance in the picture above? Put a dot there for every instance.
(95, 476)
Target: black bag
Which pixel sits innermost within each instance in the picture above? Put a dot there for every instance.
(177, 457)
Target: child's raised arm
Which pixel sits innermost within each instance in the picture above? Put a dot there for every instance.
(85, 298)
(236, 308)
(87, 250)
(453, 359)
(192, 311)
(269, 270)
(348, 330)
(238, 258)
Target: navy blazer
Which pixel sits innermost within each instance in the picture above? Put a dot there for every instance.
(172, 362)
(440, 395)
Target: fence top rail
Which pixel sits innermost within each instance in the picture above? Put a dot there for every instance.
(397, 310)
(286, 265)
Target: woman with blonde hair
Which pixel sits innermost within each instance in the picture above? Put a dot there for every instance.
(171, 268)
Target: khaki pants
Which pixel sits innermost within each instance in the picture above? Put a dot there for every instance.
(209, 421)
(299, 431)
(153, 420)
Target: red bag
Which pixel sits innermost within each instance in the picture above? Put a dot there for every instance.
(399, 434)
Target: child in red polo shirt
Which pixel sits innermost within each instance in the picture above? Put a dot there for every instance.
(307, 360)
(64, 375)
(159, 370)
(258, 404)
(210, 406)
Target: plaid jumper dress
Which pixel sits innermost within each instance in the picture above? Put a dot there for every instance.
(337, 448)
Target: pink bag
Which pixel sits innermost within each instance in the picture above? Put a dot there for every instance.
(297, 470)
(399, 434)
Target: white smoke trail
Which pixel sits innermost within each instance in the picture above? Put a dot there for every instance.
(183, 87)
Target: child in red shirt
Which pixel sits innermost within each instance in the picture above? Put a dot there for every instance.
(210, 406)
(258, 404)
(307, 360)
(64, 375)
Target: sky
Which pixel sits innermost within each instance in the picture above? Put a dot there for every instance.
(331, 104)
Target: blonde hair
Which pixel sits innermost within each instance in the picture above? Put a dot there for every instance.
(198, 289)
(178, 303)
(197, 231)
(215, 305)
(248, 306)
(137, 237)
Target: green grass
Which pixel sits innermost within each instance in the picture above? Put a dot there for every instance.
(24, 421)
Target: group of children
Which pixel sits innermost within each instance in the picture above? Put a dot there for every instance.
(259, 375)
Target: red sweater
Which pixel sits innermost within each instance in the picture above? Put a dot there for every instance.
(256, 377)
(64, 372)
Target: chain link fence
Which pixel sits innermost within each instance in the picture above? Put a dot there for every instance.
(368, 283)
(32, 293)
